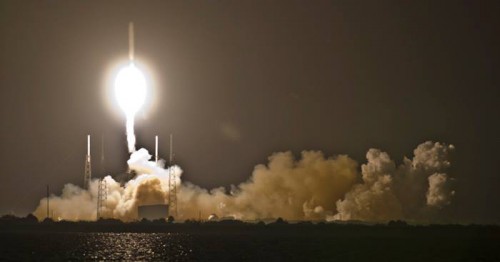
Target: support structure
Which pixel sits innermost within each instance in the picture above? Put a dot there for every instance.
(102, 196)
(172, 184)
(156, 149)
(88, 168)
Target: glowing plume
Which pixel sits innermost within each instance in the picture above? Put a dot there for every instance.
(130, 92)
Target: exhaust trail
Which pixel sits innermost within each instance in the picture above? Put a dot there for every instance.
(130, 133)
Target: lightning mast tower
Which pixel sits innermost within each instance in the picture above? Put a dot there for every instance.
(156, 149)
(172, 185)
(88, 167)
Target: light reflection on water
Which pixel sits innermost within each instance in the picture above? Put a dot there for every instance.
(135, 246)
(249, 246)
(96, 246)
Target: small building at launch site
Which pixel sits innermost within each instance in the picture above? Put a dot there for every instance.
(152, 212)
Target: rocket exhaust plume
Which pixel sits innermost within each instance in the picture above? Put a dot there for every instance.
(130, 91)
(130, 133)
(313, 187)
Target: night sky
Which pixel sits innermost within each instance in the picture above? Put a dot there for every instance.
(235, 81)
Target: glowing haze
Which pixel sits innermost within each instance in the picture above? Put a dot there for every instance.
(130, 92)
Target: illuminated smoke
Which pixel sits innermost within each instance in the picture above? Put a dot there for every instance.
(439, 193)
(405, 192)
(149, 187)
(313, 187)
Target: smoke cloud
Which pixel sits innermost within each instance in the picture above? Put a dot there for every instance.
(312, 187)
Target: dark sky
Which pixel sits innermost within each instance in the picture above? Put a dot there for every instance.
(238, 80)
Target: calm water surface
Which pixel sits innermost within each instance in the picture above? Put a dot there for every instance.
(236, 247)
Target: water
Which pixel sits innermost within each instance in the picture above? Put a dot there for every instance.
(64, 246)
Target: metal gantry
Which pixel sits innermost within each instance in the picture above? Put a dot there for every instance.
(172, 184)
(88, 168)
(102, 196)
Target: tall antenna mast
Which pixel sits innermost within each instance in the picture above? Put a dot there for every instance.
(88, 168)
(156, 149)
(172, 184)
(131, 41)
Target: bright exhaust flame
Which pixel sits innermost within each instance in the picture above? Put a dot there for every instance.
(130, 92)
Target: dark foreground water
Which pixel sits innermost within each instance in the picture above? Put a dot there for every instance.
(65, 246)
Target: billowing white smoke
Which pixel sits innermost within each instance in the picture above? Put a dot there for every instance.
(311, 188)
(303, 189)
(405, 192)
(149, 187)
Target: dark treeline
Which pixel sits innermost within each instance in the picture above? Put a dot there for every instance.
(9, 223)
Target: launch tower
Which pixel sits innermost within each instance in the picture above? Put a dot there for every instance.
(102, 195)
(88, 168)
(172, 185)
